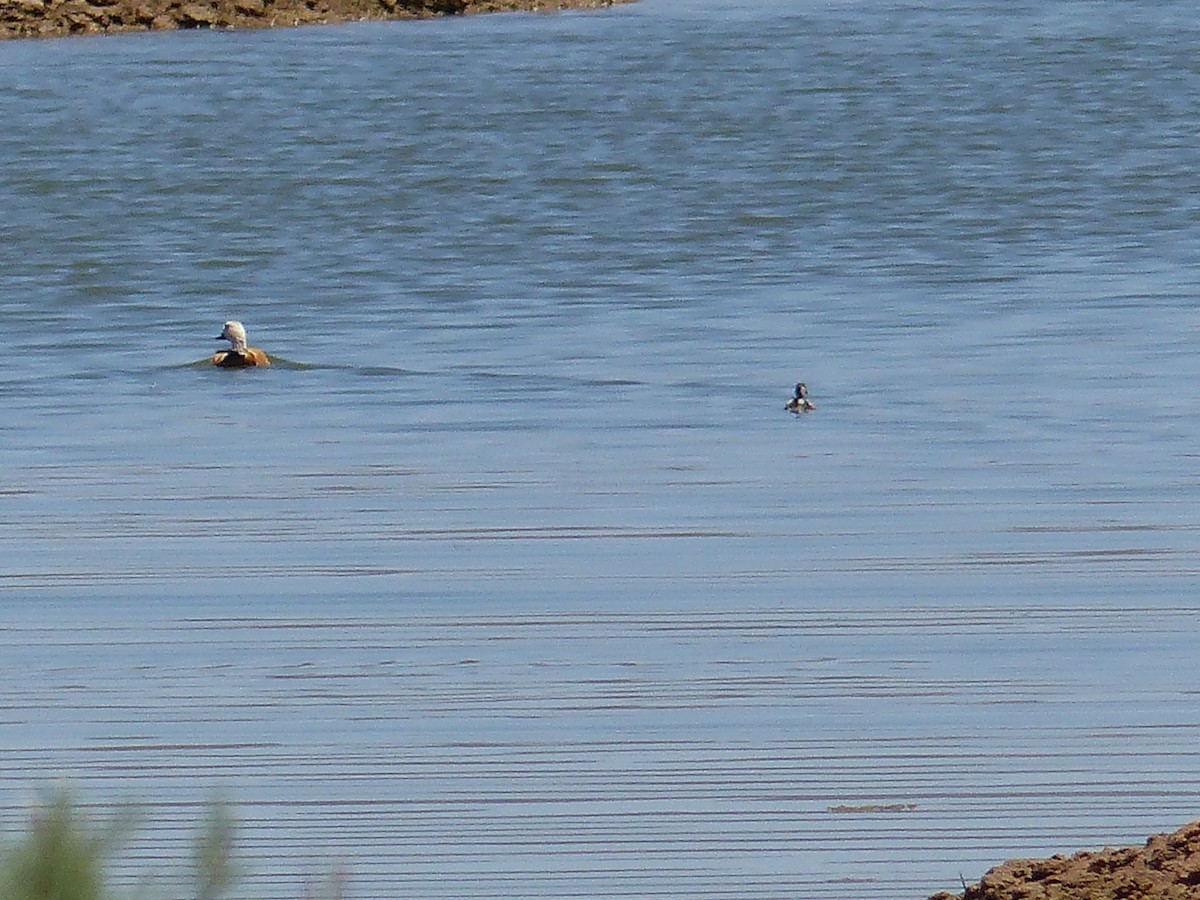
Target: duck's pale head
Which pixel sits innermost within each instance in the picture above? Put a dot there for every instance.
(235, 334)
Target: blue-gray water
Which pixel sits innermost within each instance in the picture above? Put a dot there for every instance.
(514, 579)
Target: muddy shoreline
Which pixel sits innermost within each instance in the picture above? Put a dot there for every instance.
(56, 18)
(1166, 868)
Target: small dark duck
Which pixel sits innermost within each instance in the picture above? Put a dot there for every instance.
(800, 403)
(239, 356)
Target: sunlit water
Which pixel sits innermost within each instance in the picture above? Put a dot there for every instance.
(512, 577)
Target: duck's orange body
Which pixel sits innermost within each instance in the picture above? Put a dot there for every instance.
(239, 356)
(240, 359)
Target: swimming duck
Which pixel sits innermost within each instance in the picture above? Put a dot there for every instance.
(800, 403)
(239, 356)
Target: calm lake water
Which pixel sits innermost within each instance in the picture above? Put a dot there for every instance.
(512, 577)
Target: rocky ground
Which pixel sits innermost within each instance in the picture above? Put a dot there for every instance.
(1167, 868)
(52, 18)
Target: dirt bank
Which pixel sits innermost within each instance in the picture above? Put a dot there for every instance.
(1167, 868)
(53, 18)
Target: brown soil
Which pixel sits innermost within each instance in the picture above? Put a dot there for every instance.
(1167, 868)
(52, 18)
